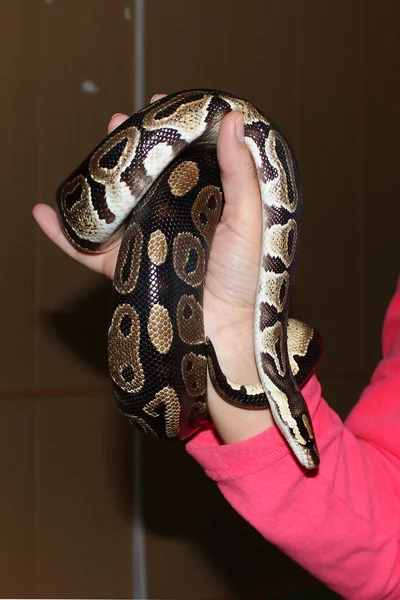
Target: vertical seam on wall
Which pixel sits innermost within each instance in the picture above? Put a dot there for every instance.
(297, 72)
(360, 310)
(36, 288)
(139, 568)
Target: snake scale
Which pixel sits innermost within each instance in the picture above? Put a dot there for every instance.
(155, 182)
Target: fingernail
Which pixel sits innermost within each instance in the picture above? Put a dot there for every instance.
(153, 98)
(116, 115)
(240, 129)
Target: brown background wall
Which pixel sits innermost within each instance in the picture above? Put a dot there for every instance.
(327, 73)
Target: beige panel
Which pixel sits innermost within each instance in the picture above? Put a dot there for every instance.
(82, 41)
(17, 522)
(18, 170)
(82, 500)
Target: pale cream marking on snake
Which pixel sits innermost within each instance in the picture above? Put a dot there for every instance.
(252, 146)
(251, 390)
(117, 192)
(158, 157)
(270, 338)
(188, 119)
(169, 398)
(81, 210)
(275, 286)
(279, 193)
(159, 328)
(250, 114)
(284, 409)
(125, 365)
(278, 241)
(108, 175)
(307, 426)
(184, 178)
(299, 338)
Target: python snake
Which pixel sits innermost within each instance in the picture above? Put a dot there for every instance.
(155, 182)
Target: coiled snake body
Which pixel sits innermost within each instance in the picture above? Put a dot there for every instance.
(157, 174)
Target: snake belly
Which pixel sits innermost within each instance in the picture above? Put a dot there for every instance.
(155, 183)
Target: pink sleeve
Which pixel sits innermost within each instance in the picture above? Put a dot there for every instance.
(341, 524)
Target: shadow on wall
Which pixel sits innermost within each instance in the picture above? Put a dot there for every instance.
(81, 325)
(181, 503)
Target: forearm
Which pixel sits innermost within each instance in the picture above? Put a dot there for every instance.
(338, 524)
(236, 357)
(342, 523)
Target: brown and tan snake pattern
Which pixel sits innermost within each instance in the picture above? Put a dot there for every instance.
(155, 181)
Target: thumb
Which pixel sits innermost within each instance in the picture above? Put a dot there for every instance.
(239, 177)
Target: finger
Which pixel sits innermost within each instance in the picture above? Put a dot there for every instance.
(119, 118)
(238, 173)
(157, 97)
(47, 219)
(116, 121)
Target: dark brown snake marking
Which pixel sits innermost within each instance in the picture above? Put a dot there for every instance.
(155, 181)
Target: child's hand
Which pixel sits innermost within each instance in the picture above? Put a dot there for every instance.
(232, 275)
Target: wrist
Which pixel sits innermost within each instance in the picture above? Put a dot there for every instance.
(235, 424)
(235, 351)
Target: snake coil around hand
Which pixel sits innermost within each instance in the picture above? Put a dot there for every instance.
(155, 181)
